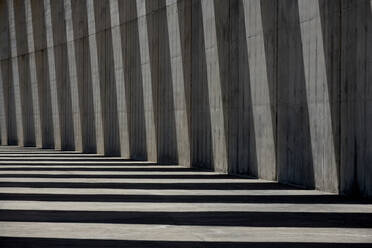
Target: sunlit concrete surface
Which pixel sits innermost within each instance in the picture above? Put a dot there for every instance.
(140, 204)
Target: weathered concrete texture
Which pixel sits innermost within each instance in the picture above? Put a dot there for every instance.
(275, 89)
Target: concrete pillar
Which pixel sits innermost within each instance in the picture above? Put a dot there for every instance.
(232, 34)
(131, 57)
(356, 95)
(3, 119)
(219, 148)
(75, 94)
(4, 57)
(10, 127)
(161, 75)
(151, 142)
(15, 74)
(62, 75)
(107, 78)
(83, 74)
(95, 77)
(24, 73)
(201, 136)
(261, 92)
(121, 94)
(52, 76)
(103, 68)
(294, 153)
(42, 72)
(33, 79)
(180, 98)
(317, 93)
(368, 170)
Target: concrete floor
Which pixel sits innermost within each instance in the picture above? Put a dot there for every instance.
(67, 199)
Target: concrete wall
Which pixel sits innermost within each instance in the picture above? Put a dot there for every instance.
(280, 90)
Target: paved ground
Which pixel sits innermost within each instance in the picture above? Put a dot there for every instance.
(67, 199)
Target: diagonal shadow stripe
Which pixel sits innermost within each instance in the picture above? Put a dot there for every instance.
(163, 169)
(91, 243)
(52, 163)
(252, 219)
(207, 186)
(139, 176)
(270, 199)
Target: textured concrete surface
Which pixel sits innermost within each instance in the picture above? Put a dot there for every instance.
(97, 201)
(279, 90)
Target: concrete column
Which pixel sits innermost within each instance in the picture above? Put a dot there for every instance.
(131, 57)
(317, 93)
(3, 119)
(15, 73)
(24, 78)
(62, 75)
(368, 170)
(106, 73)
(261, 89)
(42, 72)
(178, 83)
(83, 74)
(4, 58)
(219, 148)
(294, 152)
(356, 97)
(34, 83)
(76, 113)
(201, 136)
(121, 93)
(95, 77)
(151, 142)
(52, 76)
